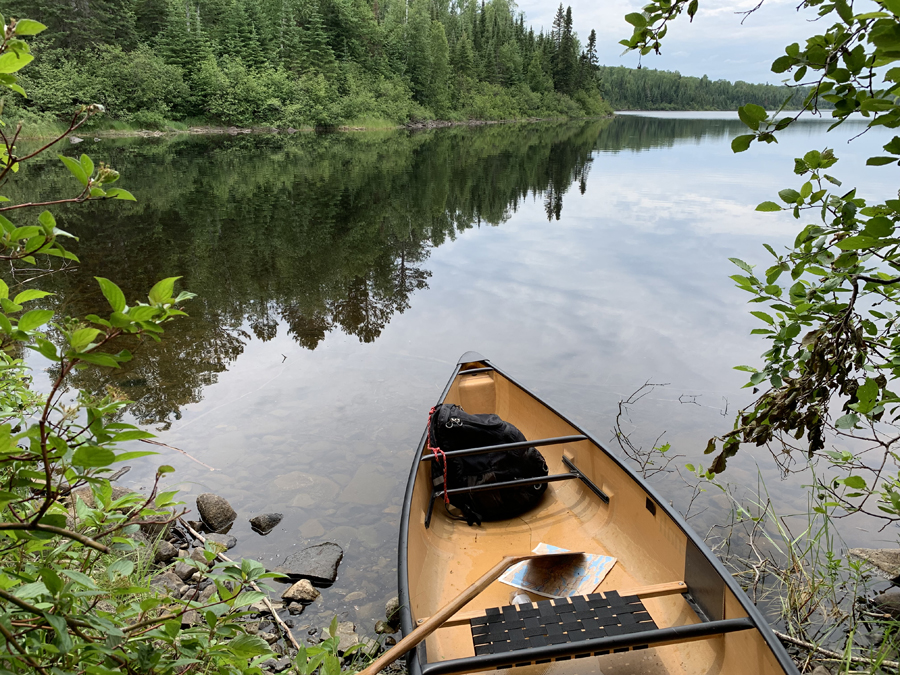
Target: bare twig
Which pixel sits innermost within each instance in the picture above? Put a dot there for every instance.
(163, 445)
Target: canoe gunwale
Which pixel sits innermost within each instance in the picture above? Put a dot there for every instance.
(651, 638)
(417, 657)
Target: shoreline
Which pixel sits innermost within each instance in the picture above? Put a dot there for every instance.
(213, 130)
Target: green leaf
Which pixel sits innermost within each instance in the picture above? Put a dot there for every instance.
(99, 359)
(113, 294)
(35, 318)
(165, 468)
(789, 196)
(854, 482)
(880, 161)
(93, 456)
(847, 421)
(765, 317)
(856, 242)
(11, 62)
(877, 227)
(247, 646)
(162, 291)
(867, 395)
(741, 143)
(79, 578)
(248, 598)
(76, 169)
(29, 27)
(636, 19)
(141, 313)
(119, 193)
(82, 337)
(768, 206)
(131, 435)
(744, 266)
(88, 165)
(30, 294)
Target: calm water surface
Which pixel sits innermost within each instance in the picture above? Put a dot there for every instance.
(341, 276)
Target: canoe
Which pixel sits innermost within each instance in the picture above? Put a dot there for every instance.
(666, 606)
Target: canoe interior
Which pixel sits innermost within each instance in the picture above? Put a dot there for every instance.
(649, 546)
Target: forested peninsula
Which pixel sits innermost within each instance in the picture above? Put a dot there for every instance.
(171, 64)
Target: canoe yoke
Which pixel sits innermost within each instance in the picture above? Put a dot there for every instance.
(504, 447)
(576, 627)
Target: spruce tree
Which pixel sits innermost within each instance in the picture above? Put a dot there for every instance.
(439, 84)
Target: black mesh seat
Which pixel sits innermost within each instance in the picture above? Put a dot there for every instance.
(562, 620)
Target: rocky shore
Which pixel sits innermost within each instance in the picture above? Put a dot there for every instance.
(183, 552)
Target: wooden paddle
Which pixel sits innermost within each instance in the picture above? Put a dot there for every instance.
(445, 612)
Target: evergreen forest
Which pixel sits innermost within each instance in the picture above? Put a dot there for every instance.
(647, 89)
(304, 62)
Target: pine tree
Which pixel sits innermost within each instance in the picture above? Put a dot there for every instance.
(317, 53)
(463, 60)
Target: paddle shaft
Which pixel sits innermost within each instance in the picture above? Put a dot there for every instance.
(444, 613)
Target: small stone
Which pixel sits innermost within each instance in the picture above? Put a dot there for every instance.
(165, 552)
(268, 637)
(346, 635)
(184, 590)
(215, 511)
(251, 627)
(392, 610)
(184, 571)
(302, 591)
(197, 525)
(277, 666)
(390, 640)
(289, 623)
(207, 593)
(885, 560)
(168, 581)
(295, 608)
(266, 522)
(197, 556)
(75, 140)
(225, 540)
(353, 597)
(190, 618)
(383, 628)
(319, 563)
(157, 527)
(312, 630)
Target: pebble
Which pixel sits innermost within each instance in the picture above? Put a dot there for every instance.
(302, 591)
(295, 608)
(225, 540)
(165, 552)
(265, 523)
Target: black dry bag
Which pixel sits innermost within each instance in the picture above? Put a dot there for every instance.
(452, 428)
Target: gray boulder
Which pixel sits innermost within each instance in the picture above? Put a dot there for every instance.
(215, 511)
(266, 522)
(167, 581)
(317, 563)
(165, 552)
(888, 602)
(184, 571)
(190, 618)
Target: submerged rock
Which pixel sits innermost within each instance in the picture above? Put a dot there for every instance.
(266, 522)
(317, 563)
(383, 627)
(885, 560)
(888, 602)
(302, 591)
(346, 634)
(215, 511)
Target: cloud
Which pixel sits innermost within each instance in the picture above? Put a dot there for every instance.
(716, 44)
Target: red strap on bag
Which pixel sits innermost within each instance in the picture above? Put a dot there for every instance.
(439, 455)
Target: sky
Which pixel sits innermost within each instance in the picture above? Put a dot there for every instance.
(715, 44)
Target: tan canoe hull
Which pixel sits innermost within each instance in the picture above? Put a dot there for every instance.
(652, 544)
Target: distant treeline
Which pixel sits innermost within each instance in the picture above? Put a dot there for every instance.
(304, 62)
(646, 89)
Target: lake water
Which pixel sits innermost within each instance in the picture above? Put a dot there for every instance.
(340, 277)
